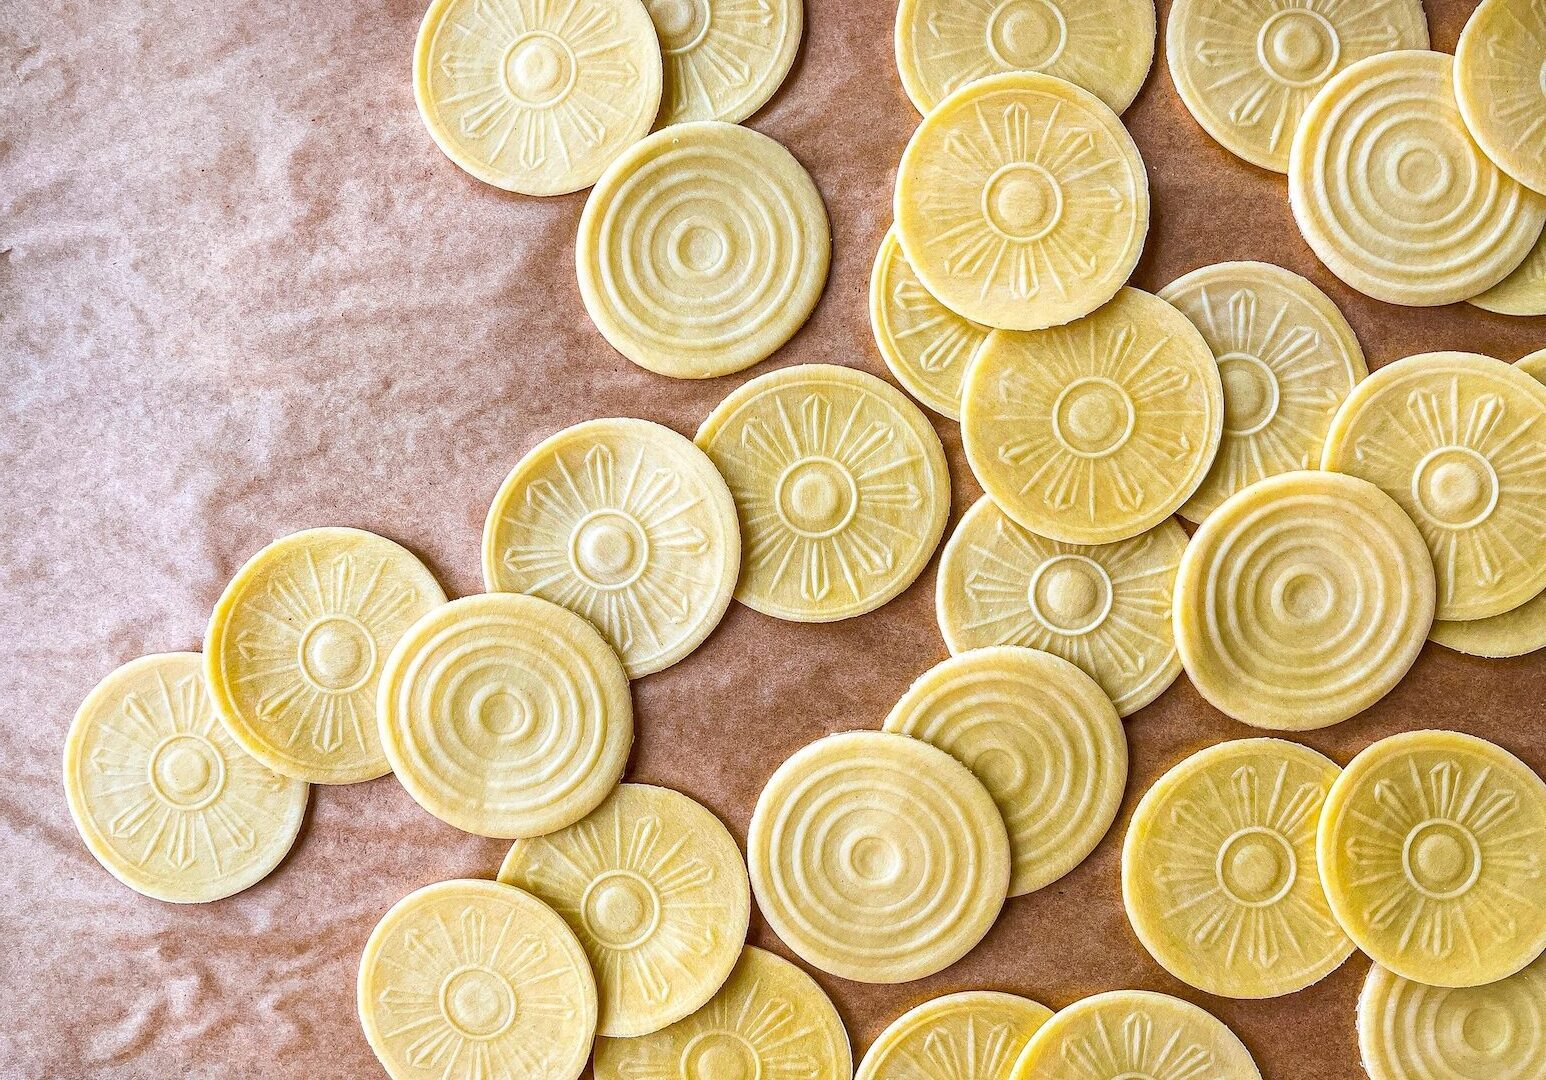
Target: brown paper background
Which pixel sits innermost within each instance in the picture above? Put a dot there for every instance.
(241, 293)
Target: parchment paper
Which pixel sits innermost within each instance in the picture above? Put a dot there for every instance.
(244, 294)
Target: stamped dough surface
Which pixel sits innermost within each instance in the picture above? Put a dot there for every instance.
(1021, 202)
(1104, 46)
(1392, 193)
(1287, 359)
(770, 1020)
(295, 646)
(1131, 1035)
(927, 346)
(973, 1035)
(1096, 431)
(1524, 291)
(702, 250)
(1430, 850)
(164, 797)
(877, 857)
(627, 523)
(1409, 1031)
(465, 979)
(1459, 440)
(1500, 83)
(536, 97)
(654, 887)
(724, 58)
(841, 486)
(1302, 601)
(505, 715)
(1105, 608)
(1041, 736)
(1246, 70)
(1219, 876)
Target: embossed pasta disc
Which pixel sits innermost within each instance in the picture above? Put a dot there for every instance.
(536, 97)
(1043, 738)
(1021, 202)
(841, 486)
(1219, 876)
(702, 250)
(1096, 431)
(1500, 82)
(476, 979)
(1104, 46)
(877, 857)
(927, 346)
(1247, 70)
(1459, 440)
(770, 1020)
(1524, 291)
(1429, 848)
(1132, 1034)
(1408, 1031)
(655, 889)
(627, 523)
(294, 649)
(1392, 193)
(1287, 359)
(1105, 608)
(164, 797)
(1302, 600)
(724, 58)
(975, 1035)
(505, 715)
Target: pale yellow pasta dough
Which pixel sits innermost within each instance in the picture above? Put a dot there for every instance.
(536, 97)
(702, 249)
(724, 58)
(295, 645)
(1105, 607)
(841, 486)
(972, 1035)
(1099, 430)
(1287, 359)
(1409, 1031)
(1043, 738)
(1524, 291)
(770, 1020)
(1500, 82)
(1459, 440)
(1105, 46)
(464, 980)
(1429, 850)
(1133, 1035)
(163, 796)
(655, 888)
(1393, 194)
(1247, 69)
(1302, 600)
(627, 523)
(927, 346)
(1219, 876)
(877, 857)
(505, 715)
(1021, 202)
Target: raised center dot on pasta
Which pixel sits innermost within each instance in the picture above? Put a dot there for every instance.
(1021, 202)
(841, 486)
(505, 715)
(1219, 876)
(1427, 849)
(1302, 600)
(724, 58)
(461, 973)
(702, 250)
(654, 887)
(1099, 430)
(976, 1034)
(877, 857)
